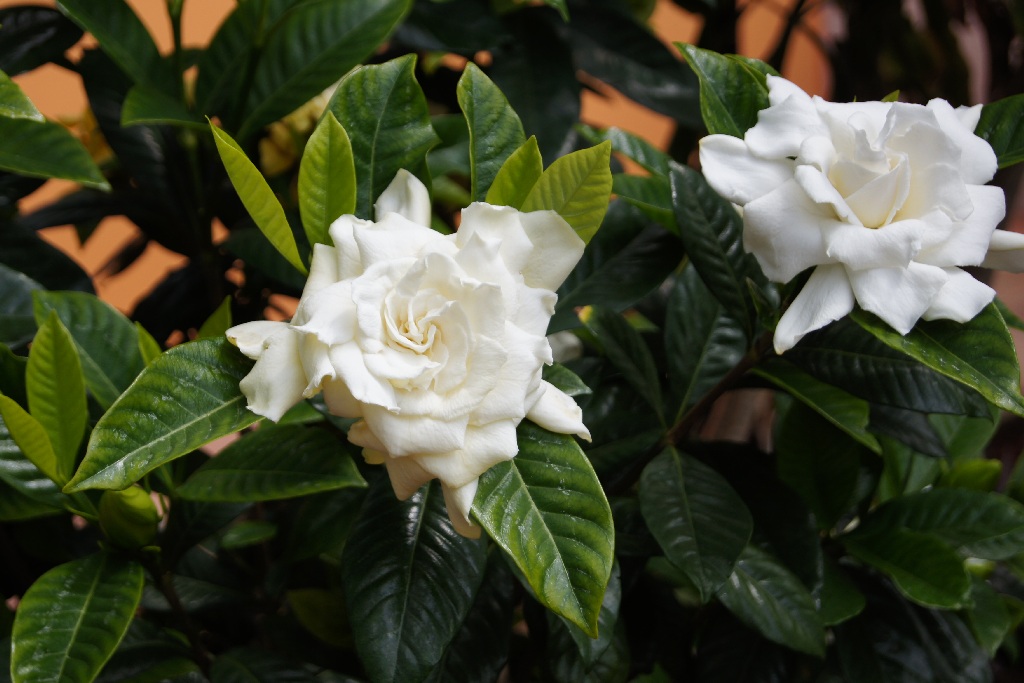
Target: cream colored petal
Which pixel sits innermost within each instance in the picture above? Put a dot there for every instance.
(960, 299)
(350, 368)
(403, 435)
(860, 248)
(826, 297)
(277, 381)
(968, 242)
(329, 314)
(486, 446)
(783, 229)
(250, 337)
(407, 196)
(392, 238)
(340, 401)
(556, 249)
(899, 296)
(459, 502)
(406, 476)
(735, 173)
(557, 412)
(1005, 251)
(342, 233)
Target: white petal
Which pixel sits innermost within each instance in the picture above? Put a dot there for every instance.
(342, 233)
(782, 128)
(859, 248)
(819, 190)
(826, 297)
(968, 241)
(316, 363)
(250, 337)
(977, 160)
(459, 502)
(350, 368)
(960, 299)
(501, 225)
(556, 249)
(277, 381)
(557, 412)
(1005, 251)
(536, 306)
(391, 238)
(519, 376)
(323, 269)
(735, 173)
(899, 296)
(783, 229)
(360, 434)
(486, 446)
(408, 434)
(407, 196)
(329, 314)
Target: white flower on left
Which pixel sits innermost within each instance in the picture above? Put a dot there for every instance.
(884, 201)
(435, 342)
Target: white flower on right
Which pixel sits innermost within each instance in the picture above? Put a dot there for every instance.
(885, 201)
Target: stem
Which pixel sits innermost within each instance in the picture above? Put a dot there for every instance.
(165, 584)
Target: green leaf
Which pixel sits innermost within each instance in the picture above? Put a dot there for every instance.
(633, 147)
(976, 475)
(23, 477)
(149, 348)
(218, 323)
(186, 398)
(559, 5)
(495, 131)
(31, 438)
(72, 618)
(517, 176)
(766, 596)
(979, 353)
(248, 533)
(149, 654)
(712, 234)
(924, 568)
(843, 410)
(96, 328)
(146, 105)
(409, 581)
(272, 463)
(31, 36)
(309, 48)
(1002, 126)
(565, 380)
(576, 187)
(14, 103)
(123, 37)
(731, 93)
(46, 150)
(702, 343)
(56, 393)
(384, 111)
(327, 179)
(257, 665)
(258, 198)
(650, 194)
(988, 616)
(696, 516)
(17, 325)
(979, 524)
(840, 598)
(628, 353)
(546, 509)
(588, 651)
(16, 506)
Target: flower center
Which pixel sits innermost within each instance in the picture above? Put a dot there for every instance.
(412, 322)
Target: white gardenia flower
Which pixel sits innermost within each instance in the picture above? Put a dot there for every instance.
(436, 342)
(885, 201)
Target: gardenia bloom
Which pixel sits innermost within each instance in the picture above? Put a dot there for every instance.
(435, 342)
(885, 201)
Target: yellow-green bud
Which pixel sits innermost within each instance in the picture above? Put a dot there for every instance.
(128, 518)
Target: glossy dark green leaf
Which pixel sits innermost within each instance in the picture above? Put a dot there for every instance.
(909, 427)
(495, 131)
(31, 35)
(712, 234)
(565, 380)
(14, 103)
(186, 398)
(24, 251)
(327, 179)
(17, 324)
(16, 506)
(628, 352)
(258, 665)
(309, 48)
(1002, 126)
(258, 198)
(546, 509)
(702, 343)
(43, 149)
(576, 187)
(650, 194)
(924, 568)
(631, 146)
(840, 598)
(767, 597)
(698, 519)
(56, 392)
(988, 616)
(729, 651)
(622, 264)
(731, 93)
(275, 462)
(146, 105)
(96, 328)
(979, 353)
(587, 651)
(517, 176)
(72, 618)
(819, 462)
(149, 654)
(384, 111)
(409, 580)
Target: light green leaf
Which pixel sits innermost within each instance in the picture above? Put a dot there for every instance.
(186, 398)
(385, 113)
(218, 323)
(979, 353)
(517, 176)
(149, 348)
(96, 328)
(14, 103)
(248, 533)
(546, 509)
(628, 352)
(23, 477)
(577, 187)
(495, 131)
(309, 48)
(56, 393)
(409, 580)
(258, 198)
(327, 179)
(1002, 126)
(731, 92)
(46, 150)
(767, 597)
(274, 462)
(924, 568)
(30, 436)
(72, 618)
(146, 105)
(696, 516)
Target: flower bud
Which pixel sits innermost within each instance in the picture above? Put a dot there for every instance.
(129, 518)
